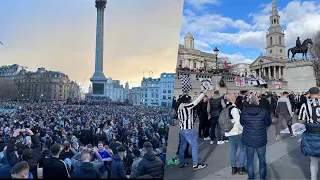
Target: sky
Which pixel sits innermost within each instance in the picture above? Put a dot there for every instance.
(238, 28)
(59, 35)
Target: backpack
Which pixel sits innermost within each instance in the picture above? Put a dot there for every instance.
(224, 119)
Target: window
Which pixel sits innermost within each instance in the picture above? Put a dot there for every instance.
(280, 41)
(280, 50)
(270, 41)
(169, 91)
(194, 65)
(270, 51)
(164, 91)
(164, 97)
(275, 20)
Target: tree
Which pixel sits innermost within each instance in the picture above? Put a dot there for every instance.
(315, 48)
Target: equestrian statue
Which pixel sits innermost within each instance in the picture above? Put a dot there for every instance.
(300, 48)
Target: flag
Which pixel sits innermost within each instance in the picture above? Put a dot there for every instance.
(227, 65)
(206, 82)
(277, 85)
(186, 84)
(261, 81)
(252, 82)
(242, 82)
(237, 81)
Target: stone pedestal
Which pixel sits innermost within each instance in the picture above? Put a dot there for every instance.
(300, 76)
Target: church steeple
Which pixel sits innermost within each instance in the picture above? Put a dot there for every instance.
(274, 7)
(275, 36)
(188, 41)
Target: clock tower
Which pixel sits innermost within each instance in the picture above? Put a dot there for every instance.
(276, 47)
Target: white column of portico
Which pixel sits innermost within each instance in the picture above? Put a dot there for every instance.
(269, 72)
(190, 64)
(274, 72)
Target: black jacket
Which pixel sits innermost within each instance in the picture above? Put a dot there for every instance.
(54, 168)
(86, 171)
(255, 120)
(264, 102)
(202, 110)
(215, 106)
(150, 165)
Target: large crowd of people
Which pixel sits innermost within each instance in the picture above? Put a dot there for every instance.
(56, 140)
(243, 121)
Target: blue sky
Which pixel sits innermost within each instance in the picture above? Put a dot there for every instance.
(238, 28)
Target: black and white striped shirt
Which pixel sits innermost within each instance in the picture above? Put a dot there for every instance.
(310, 111)
(185, 113)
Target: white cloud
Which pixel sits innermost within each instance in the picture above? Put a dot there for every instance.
(199, 4)
(298, 18)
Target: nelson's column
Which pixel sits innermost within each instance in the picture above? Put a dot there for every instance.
(98, 79)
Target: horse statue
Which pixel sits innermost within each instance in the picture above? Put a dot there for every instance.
(302, 50)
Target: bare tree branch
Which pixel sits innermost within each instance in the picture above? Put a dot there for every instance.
(315, 48)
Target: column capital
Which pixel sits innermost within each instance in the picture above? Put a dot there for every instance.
(101, 4)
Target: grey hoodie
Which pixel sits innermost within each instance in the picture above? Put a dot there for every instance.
(284, 106)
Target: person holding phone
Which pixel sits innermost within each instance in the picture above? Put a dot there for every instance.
(187, 131)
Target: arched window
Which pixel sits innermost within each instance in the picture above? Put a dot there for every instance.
(275, 20)
(270, 41)
(280, 40)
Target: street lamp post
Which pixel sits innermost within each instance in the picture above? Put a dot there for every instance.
(261, 71)
(216, 53)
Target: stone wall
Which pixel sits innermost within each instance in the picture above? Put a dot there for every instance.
(230, 85)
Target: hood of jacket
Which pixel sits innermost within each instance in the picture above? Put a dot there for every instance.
(253, 109)
(149, 156)
(116, 157)
(87, 166)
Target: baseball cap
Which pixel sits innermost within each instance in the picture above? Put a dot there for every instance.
(314, 90)
(285, 92)
(185, 98)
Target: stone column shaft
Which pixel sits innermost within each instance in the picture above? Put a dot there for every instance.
(269, 72)
(99, 40)
(274, 72)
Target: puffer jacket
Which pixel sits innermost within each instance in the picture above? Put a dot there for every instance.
(150, 165)
(255, 120)
(117, 168)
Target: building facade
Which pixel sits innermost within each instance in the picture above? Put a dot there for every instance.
(114, 90)
(243, 69)
(154, 91)
(166, 89)
(150, 91)
(272, 66)
(34, 86)
(135, 95)
(74, 91)
(194, 59)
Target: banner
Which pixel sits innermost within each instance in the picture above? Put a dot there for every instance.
(256, 82)
(237, 80)
(186, 84)
(240, 81)
(297, 128)
(206, 82)
(277, 85)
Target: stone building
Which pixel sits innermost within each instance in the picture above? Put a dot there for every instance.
(273, 66)
(241, 69)
(194, 59)
(74, 91)
(34, 86)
